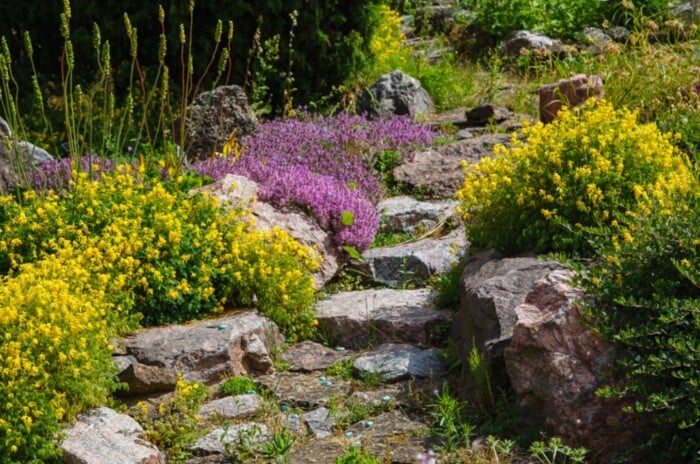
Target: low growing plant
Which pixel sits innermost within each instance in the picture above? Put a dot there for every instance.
(356, 455)
(450, 425)
(177, 424)
(180, 257)
(554, 451)
(237, 385)
(55, 357)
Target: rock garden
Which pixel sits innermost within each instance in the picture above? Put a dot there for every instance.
(479, 246)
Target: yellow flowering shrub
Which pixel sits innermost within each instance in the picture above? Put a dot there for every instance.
(55, 358)
(177, 257)
(589, 165)
(386, 42)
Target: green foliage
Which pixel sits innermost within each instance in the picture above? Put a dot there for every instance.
(646, 297)
(557, 18)
(237, 385)
(554, 451)
(479, 368)
(331, 31)
(278, 446)
(342, 369)
(450, 425)
(177, 257)
(356, 455)
(177, 424)
(589, 164)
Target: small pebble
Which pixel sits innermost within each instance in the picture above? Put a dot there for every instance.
(386, 399)
(322, 379)
(326, 383)
(284, 407)
(223, 327)
(250, 392)
(340, 348)
(293, 416)
(347, 434)
(369, 423)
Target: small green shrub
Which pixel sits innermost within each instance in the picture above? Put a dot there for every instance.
(237, 385)
(581, 170)
(646, 292)
(357, 456)
(177, 424)
(450, 425)
(554, 451)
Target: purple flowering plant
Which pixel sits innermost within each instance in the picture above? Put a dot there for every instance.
(324, 165)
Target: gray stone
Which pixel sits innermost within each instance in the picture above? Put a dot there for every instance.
(404, 214)
(204, 351)
(213, 116)
(360, 318)
(103, 435)
(488, 114)
(143, 379)
(122, 362)
(320, 422)
(556, 364)
(306, 231)
(231, 190)
(304, 391)
(395, 93)
(216, 441)
(530, 41)
(438, 171)
(414, 262)
(308, 356)
(596, 36)
(491, 287)
(396, 362)
(230, 407)
(619, 33)
(16, 153)
(317, 451)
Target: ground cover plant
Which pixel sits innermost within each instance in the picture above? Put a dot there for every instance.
(325, 165)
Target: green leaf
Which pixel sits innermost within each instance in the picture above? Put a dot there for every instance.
(347, 218)
(352, 252)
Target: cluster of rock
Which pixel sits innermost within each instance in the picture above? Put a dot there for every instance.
(520, 312)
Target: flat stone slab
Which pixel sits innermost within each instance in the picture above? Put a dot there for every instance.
(308, 356)
(360, 318)
(305, 391)
(103, 435)
(405, 214)
(396, 362)
(215, 441)
(318, 451)
(414, 262)
(320, 422)
(230, 407)
(393, 436)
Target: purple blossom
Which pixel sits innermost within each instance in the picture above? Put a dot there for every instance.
(56, 174)
(323, 165)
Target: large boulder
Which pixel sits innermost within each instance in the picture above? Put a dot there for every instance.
(239, 191)
(555, 364)
(395, 93)
(103, 435)
(438, 171)
(491, 287)
(392, 362)
(404, 214)
(206, 350)
(213, 117)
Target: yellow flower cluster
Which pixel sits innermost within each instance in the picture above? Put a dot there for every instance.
(386, 43)
(55, 358)
(589, 165)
